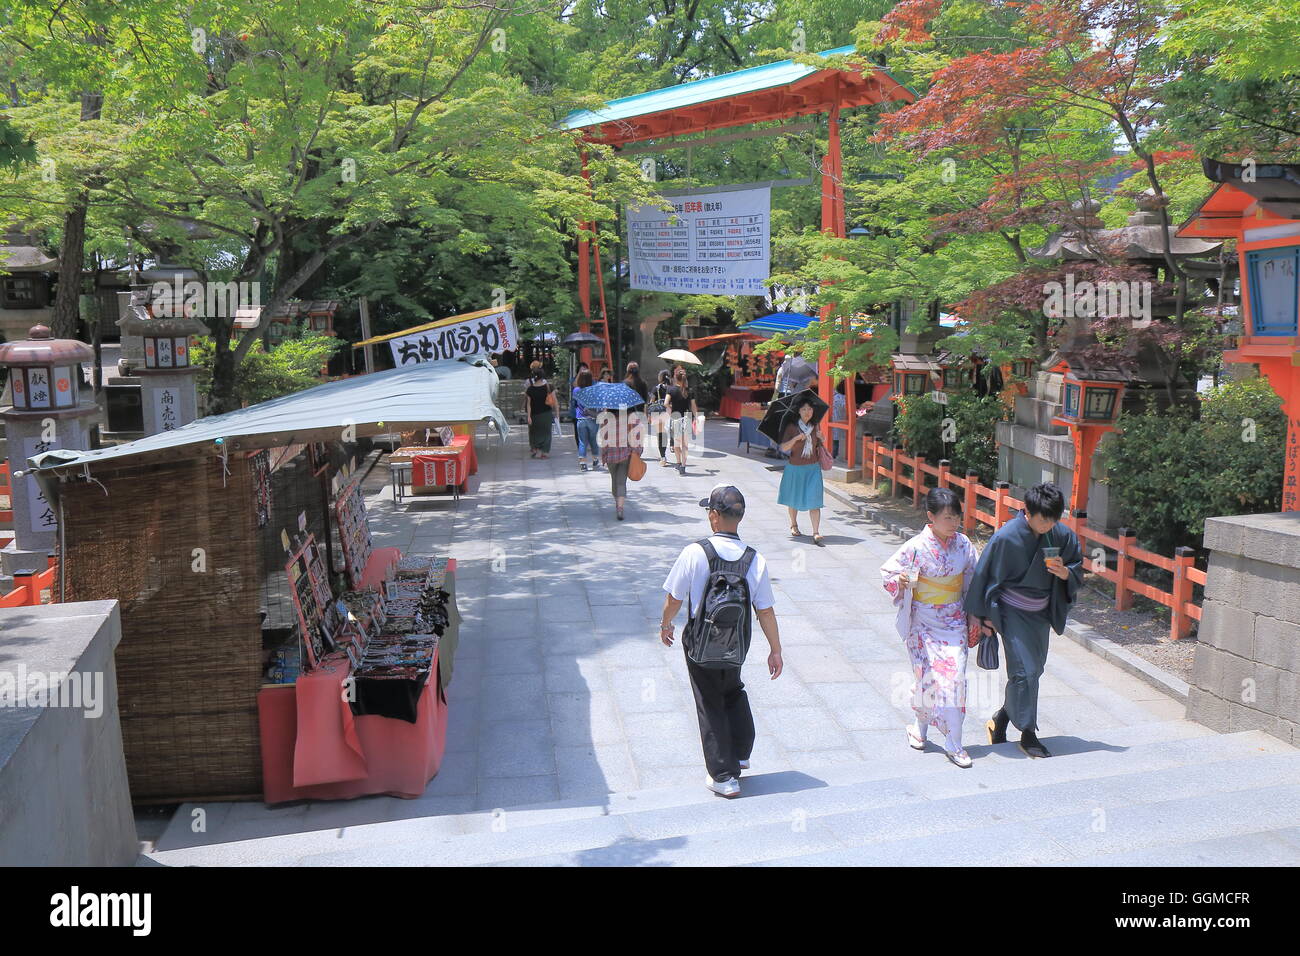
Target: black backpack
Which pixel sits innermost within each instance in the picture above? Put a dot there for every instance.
(717, 637)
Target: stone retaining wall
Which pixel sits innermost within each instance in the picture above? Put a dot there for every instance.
(1247, 671)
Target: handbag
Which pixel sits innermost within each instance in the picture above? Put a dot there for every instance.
(824, 458)
(987, 653)
(635, 467)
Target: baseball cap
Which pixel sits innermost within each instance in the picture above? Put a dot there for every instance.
(725, 499)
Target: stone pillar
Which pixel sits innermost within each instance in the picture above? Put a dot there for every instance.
(47, 413)
(1247, 670)
(168, 395)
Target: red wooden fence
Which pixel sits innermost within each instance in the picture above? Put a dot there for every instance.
(1184, 609)
(28, 588)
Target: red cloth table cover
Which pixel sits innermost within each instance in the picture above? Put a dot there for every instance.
(314, 748)
(738, 395)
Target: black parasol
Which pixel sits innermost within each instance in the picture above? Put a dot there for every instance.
(782, 411)
(582, 339)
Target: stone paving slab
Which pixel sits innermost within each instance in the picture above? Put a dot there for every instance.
(562, 689)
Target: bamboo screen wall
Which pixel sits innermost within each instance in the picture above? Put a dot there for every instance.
(190, 660)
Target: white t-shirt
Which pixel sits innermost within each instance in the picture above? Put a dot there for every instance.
(690, 573)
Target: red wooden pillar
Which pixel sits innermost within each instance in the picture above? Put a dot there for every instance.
(1001, 512)
(1285, 378)
(1085, 439)
(971, 501)
(895, 469)
(1124, 568)
(832, 186)
(918, 480)
(584, 273)
(1180, 622)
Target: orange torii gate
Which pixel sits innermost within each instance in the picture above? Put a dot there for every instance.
(775, 91)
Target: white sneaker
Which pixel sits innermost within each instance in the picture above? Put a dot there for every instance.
(723, 788)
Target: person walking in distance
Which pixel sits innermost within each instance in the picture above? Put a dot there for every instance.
(927, 578)
(634, 381)
(582, 367)
(584, 422)
(1026, 580)
(720, 579)
(801, 480)
(658, 410)
(541, 406)
(682, 411)
(623, 435)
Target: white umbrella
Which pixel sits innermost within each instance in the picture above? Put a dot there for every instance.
(680, 355)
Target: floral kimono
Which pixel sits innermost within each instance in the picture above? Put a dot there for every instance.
(932, 623)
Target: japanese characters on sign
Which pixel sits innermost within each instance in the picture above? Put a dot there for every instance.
(1291, 474)
(42, 513)
(479, 336)
(712, 243)
(166, 408)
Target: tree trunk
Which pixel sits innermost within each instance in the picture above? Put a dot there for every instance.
(72, 248)
(71, 252)
(223, 398)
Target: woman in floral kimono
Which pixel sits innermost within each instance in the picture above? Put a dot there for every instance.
(928, 578)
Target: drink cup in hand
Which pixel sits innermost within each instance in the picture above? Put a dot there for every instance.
(1052, 556)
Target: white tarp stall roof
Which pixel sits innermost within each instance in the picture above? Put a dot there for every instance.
(431, 393)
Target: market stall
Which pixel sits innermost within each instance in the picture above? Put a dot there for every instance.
(423, 469)
(752, 376)
(230, 544)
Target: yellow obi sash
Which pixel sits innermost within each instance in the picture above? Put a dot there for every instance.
(944, 590)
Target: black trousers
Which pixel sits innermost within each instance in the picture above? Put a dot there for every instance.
(726, 722)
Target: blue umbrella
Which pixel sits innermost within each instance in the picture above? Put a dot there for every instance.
(607, 395)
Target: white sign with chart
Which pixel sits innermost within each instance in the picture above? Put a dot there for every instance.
(712, 243)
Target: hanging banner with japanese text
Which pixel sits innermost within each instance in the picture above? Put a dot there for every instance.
(712, 243)
(476, 334)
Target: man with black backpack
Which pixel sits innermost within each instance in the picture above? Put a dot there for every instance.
(721, 579)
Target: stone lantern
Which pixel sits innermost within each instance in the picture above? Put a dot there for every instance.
(168, 393)
(47, 413)
(1091, 399)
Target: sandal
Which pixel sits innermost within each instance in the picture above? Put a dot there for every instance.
(961, 758)
(914, 741)
(819, 541)
(795, 532)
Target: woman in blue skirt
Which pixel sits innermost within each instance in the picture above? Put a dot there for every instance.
(801, 482)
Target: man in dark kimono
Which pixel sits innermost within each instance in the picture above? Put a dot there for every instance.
(1020, 593)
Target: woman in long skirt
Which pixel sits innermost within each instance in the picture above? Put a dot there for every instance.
(801, 481)
(928, 578)
(541, 406)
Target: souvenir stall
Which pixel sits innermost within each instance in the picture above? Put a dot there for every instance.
(433, 461)
(268, 650)
(752, 376)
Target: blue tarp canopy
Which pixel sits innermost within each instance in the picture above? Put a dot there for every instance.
(779, 322)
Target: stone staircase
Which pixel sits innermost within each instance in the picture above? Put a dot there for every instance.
(1166, 793)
